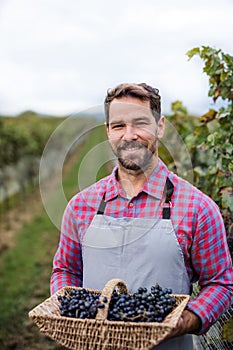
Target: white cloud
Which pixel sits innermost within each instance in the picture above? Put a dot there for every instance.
(60, 56)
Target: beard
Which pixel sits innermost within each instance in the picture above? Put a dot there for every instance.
(138, 159)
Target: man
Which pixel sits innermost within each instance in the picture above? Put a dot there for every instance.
(144, 224)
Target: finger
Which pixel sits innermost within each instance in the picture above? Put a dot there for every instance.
(180, 322)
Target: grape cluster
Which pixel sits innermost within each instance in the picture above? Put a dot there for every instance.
(79, 303)
(142, 306)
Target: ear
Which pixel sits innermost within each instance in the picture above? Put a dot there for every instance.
(161, 127)
(106, 127)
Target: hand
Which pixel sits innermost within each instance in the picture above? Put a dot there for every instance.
(188, 323)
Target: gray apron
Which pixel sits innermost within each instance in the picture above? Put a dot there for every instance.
(141, 252)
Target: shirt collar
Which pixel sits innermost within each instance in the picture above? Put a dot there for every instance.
(154, 186)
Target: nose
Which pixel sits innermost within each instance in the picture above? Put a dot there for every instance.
(129, 133)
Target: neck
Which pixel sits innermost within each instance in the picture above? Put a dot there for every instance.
(132, 181)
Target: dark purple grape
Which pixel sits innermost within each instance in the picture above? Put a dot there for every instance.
(141, 306)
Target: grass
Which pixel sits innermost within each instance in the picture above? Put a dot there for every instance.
(25, 270)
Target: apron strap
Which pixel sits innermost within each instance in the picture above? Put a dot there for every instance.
(102, 206)
(169, 188)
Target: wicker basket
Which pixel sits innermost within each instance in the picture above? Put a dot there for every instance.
(100, 333)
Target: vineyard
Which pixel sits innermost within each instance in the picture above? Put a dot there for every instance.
(22, 140)
(25, 262)
(205, 157)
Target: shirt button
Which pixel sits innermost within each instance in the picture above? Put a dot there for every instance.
(130, 205)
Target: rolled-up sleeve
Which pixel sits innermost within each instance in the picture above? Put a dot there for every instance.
(67, 262)
(211, 261)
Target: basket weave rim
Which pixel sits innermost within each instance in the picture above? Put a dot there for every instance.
(110, 285)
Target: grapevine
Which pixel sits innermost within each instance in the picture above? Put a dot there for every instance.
(213, 137)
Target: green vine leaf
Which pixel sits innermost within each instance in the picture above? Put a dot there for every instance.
(193, 52)
(212, 146)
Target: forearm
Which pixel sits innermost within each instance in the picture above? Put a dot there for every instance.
(61, 278)
(212, 267)
(67, 264)
(210, 304)
(188, 323)
(203, 311)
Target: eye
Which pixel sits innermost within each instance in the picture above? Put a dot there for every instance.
(141, 123)
(117, 126)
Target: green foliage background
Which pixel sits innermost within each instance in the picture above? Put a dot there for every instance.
(24, 135)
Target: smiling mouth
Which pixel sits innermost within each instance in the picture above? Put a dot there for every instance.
(132, 149)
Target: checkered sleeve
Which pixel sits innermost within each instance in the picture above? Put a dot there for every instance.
(212, 263)
(67, 263)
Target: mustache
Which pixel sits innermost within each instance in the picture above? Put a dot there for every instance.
(130, 144)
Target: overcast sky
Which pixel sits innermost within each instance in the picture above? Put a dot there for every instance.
(60, 56)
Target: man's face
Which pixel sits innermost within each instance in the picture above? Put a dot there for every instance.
(133, 132)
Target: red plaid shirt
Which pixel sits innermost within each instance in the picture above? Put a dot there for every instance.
(197, 223)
